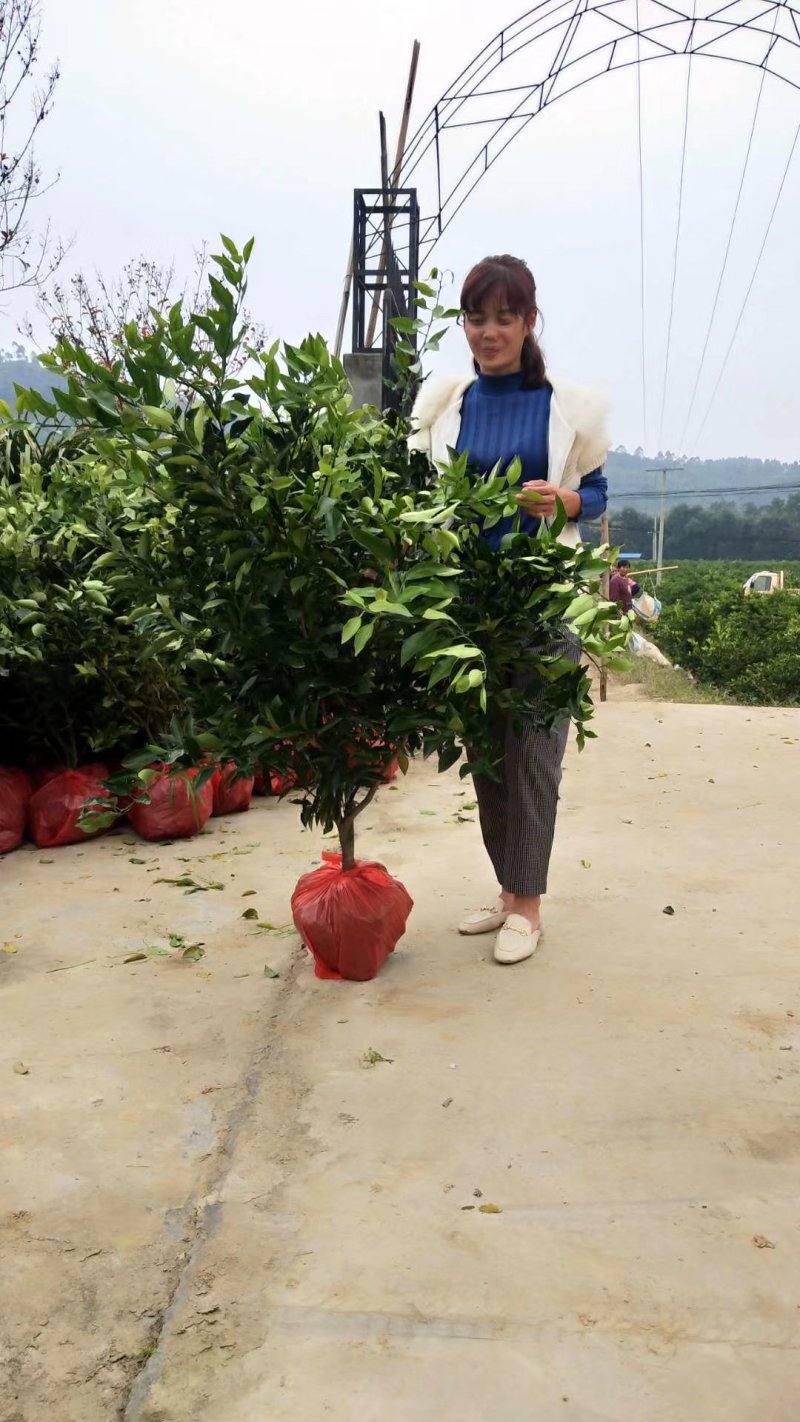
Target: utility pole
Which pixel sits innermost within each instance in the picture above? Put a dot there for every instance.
(604, 582)
(664, 470)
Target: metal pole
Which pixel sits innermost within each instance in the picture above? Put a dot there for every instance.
(661, 522)
(400, 154)
(604, 582)
(658, 544)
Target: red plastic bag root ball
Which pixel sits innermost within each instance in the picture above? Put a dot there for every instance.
(259, 782)
(350, 919)
(231, 796)
(177, 810)
(56, 807)
(95, 769)
(15, 792)
(282, 784)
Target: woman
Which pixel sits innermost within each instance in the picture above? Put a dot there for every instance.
(511, 407)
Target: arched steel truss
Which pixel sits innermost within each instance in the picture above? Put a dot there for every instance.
(568, 44)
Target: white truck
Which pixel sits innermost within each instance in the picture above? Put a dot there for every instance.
(766, 582)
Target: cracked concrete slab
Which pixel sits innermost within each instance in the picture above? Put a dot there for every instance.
(310, 1238)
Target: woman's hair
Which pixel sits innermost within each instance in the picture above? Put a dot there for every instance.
(511, 279)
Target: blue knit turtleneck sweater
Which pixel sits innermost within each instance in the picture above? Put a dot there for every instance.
(501, 421)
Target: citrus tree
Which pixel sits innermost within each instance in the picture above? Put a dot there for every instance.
(329, 604)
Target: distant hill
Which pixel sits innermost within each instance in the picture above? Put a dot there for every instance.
(763, 480)
(18, 367)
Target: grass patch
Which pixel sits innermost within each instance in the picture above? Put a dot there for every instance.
(667, 683)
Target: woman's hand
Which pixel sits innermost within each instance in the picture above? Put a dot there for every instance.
(538, 498)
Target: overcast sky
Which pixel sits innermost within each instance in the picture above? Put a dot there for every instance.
(176, 119)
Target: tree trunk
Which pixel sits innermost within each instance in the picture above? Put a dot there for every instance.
(347, 840)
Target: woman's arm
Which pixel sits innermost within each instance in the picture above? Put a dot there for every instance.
(592, 496)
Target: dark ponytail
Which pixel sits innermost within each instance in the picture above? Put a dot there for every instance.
(513, 279)
(533, 367)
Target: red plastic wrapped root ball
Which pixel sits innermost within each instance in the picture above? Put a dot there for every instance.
(15, 792)
(350, 919)
(231, 796)
(55, 809)
(177, 810)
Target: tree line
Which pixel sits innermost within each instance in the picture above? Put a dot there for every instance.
(762, 533)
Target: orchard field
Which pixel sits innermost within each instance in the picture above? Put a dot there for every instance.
(745, 648)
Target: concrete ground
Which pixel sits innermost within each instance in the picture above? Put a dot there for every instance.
(214, 1211)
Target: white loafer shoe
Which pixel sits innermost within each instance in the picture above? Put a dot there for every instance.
(516, 940)
(484, 920)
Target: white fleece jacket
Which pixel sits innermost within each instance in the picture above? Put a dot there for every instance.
(577, 437)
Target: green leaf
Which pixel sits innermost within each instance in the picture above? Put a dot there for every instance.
(363, 635)
(155, 415)
(350, 629)
(448, 756)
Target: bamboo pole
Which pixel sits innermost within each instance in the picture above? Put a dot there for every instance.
(604, 585)
(400, 153)
(347, 285)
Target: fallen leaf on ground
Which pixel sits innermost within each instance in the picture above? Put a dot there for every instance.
(427, 812)
(490, 1209)
(135, 958)
(191, 886)
(448, 1102)
(761, 1242)
(250, 913)
(371, 1058)
(668, 910)
(270, 972)
(587, 863)
(137, 861)
(9, 947)
(194, 953)
(21, 1069)
(249, 894)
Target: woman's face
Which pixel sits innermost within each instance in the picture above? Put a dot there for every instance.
(495, 335)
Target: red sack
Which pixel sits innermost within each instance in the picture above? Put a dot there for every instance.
(282, 784)
(15, 792)
(55, 808)
(231, 796)
(96, 770)
(259, 782)
(176, 809)
(355, 758)
(350, 919)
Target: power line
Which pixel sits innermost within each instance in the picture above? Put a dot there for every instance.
(731, 230)
(618, 496)
(641, 222)
(677, 231)
(743, 307)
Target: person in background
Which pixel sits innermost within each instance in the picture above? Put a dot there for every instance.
(511, 406)
(621, 587)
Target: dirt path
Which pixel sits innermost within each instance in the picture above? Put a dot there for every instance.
(212, 1210)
